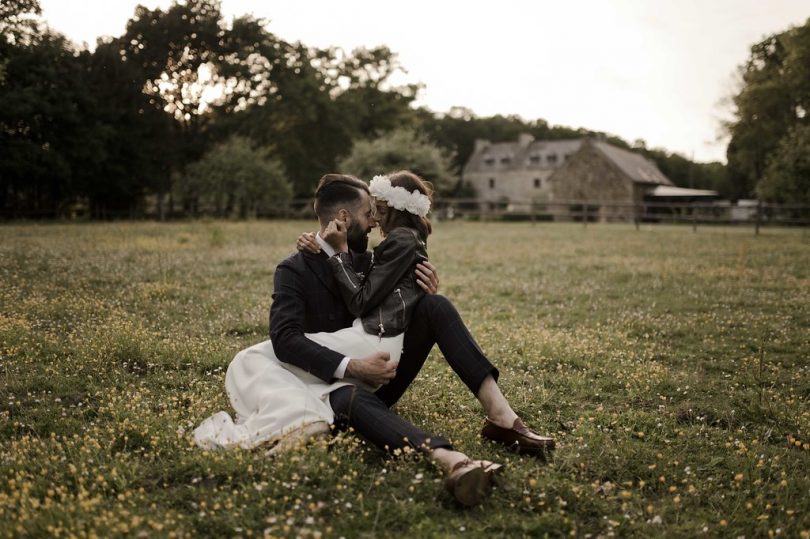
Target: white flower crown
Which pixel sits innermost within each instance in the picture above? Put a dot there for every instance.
(398, 197)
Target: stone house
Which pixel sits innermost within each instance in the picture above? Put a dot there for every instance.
(568, 175)
(509, 173)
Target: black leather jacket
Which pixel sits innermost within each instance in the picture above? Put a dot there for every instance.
(385, 297)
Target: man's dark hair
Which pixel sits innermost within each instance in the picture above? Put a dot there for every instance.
(336, 191)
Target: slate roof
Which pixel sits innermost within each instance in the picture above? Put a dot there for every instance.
(551, 154)
(635, 166)
(512, 156)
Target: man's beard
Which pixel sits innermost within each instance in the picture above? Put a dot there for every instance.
(357, 238)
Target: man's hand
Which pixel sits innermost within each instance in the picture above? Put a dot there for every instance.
(376, 369)
(335, 234)
(307, 242)
(427, 277)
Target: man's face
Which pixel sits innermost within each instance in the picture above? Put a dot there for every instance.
(363, 220)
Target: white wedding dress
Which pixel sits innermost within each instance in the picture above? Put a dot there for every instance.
(274, 400)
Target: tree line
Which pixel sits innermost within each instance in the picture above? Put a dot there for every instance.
(769, 151)
(192, 113)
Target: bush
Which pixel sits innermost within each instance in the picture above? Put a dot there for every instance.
(400, 149)
(236, 179)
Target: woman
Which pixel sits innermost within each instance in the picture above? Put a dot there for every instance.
(276, 401)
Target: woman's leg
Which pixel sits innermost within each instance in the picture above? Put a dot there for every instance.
(436, 321)
(495, 405)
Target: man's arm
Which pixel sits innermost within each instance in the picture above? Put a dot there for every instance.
(287, 315)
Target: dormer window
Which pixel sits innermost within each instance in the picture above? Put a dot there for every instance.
(489, 161)
(551, 158)
(534, 159)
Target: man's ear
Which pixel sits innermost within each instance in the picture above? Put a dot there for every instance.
(344, 215)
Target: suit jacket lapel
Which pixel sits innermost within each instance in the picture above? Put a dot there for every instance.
(320, 267)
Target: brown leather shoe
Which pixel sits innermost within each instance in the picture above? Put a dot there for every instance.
(519, 438)
(470, 481)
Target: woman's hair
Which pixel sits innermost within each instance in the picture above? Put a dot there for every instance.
(394, 218)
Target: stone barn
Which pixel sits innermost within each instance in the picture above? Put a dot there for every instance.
(612, 181)
(563, 177)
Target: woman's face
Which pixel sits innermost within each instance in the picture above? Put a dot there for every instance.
(381, 210)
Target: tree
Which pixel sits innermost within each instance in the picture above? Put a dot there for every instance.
(18, 24)
(49, 131)
(400, 149)
(775, 97)
(787, 176)
(139, 150)
(173, 55)
(369, 108)
(236, 178)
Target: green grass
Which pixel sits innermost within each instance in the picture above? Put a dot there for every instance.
(671, 366)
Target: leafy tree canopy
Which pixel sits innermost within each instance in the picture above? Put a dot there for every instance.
(787, 176)
(234, 178)
(400, 149)
(774, 98)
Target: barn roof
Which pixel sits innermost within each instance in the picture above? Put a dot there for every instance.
(540, 154)
(635, 166)
(529, 154)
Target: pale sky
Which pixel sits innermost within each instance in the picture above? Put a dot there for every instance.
(658, 70)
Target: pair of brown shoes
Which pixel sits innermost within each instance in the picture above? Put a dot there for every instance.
(519, 438)
(470, 481)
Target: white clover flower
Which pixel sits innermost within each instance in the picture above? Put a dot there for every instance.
(399, 197)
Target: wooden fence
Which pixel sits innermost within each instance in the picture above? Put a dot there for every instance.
(589, 211)
(584, 211)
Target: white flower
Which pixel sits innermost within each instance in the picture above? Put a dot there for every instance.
(399, 197)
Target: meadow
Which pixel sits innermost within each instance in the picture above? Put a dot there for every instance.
(673, 368)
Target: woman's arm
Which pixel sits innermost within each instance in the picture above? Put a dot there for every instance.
(395, 259)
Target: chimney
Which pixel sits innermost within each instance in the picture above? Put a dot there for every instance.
(524, 139)
(480, 145)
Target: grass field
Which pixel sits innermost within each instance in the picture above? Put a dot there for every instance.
(673, 367)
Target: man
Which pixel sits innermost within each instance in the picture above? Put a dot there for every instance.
(306, 300)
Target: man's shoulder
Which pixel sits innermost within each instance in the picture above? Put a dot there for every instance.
(295, 262)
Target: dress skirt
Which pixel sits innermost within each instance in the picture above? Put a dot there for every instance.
(273, 399)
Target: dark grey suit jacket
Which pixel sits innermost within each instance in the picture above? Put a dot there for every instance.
(306, 299)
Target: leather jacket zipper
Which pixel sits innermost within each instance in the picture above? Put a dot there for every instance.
(399, 292)
(382, 327)
(346, 273)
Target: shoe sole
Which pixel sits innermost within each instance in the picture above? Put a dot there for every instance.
(472, 487)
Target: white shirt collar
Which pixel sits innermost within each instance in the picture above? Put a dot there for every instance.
(325, 247)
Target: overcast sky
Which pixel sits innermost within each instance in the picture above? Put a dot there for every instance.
(657, 70)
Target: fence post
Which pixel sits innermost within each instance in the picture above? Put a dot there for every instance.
(694, 218)
(757, 217)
